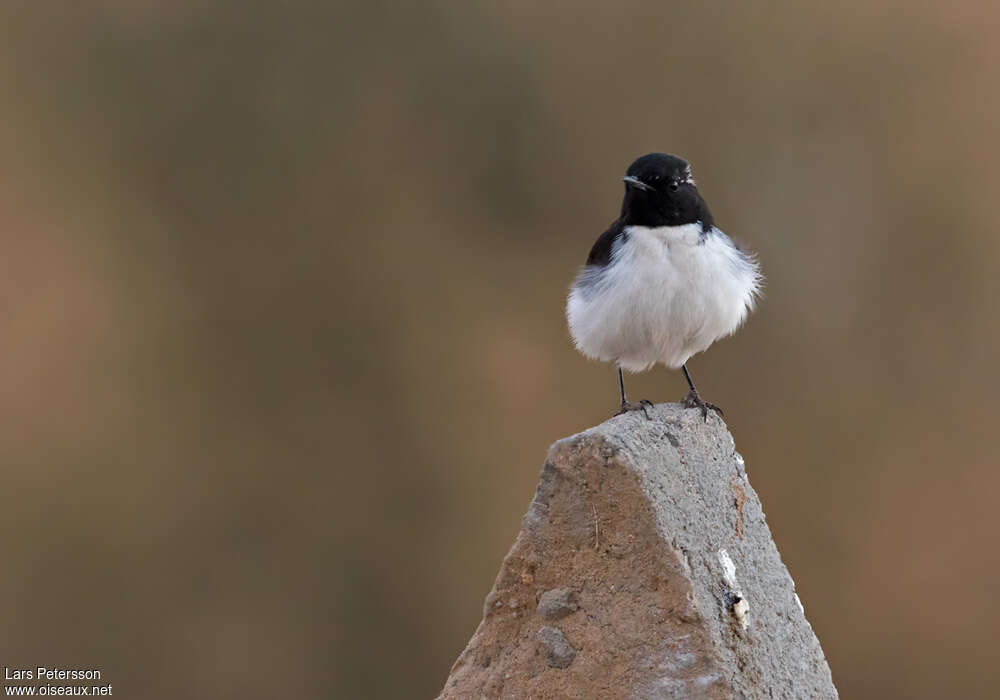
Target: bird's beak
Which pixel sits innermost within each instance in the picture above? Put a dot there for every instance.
(636, 182)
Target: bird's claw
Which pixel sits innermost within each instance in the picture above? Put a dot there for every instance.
(693, 400)
(641, 406)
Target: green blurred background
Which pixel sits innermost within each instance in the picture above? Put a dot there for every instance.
(283, 336)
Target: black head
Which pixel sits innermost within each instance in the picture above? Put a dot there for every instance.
(660, 191)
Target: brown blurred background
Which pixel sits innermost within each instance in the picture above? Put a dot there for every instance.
(283, 337)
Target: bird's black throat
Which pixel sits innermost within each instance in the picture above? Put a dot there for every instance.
(659, 191)
(665, 208)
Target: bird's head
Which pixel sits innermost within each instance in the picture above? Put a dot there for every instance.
(660, 191)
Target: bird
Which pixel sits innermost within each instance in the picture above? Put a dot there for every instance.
(663, 282)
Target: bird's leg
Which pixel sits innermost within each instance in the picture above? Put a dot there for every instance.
(626, 406)
(694, 400)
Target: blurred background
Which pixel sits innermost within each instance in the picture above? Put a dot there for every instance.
(283, 337)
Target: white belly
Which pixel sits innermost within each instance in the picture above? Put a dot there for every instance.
(667, 294)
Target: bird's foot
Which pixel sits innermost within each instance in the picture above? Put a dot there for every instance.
(641, 406)
(693, 400)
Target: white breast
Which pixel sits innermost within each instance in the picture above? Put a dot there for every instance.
(667, 294)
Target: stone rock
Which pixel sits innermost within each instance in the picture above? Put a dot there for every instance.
(559, 653)
(557, 603)
(680, 590)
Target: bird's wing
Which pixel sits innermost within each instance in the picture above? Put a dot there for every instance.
(600, 254)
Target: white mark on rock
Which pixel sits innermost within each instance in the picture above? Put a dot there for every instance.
(741, 608)
(706, 680)
(799, 603)
(728, 569)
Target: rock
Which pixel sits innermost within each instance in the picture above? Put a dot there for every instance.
(559, 653)
(557, 603)
(652, 531)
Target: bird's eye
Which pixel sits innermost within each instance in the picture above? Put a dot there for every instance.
(674, 185)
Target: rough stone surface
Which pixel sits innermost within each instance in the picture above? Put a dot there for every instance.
(680, 591)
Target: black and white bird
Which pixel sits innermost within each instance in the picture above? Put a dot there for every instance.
(663, 283)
